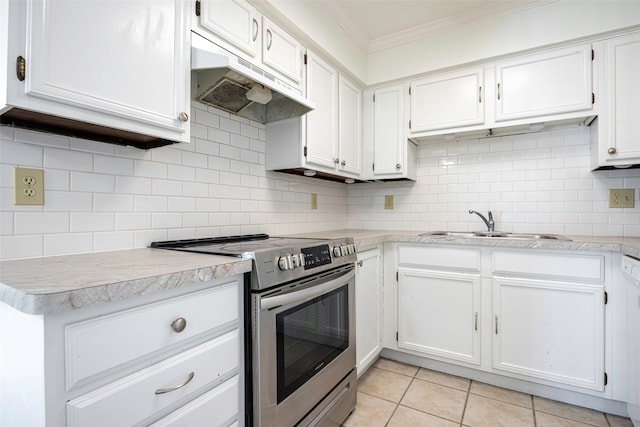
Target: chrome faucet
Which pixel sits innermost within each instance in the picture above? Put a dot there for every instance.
(489, 223)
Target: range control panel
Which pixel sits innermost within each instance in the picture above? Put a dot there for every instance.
(315, 256)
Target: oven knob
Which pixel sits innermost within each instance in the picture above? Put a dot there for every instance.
(284, 262)
(337, 252)
(297, 260)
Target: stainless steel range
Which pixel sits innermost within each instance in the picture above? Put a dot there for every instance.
(301, 323)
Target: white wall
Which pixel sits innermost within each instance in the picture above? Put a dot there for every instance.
(550, 23)
(104, 197)
(539, 182)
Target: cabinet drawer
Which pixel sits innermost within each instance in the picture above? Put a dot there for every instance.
(97, 345)
(217, 407)
(133, 399)
(563, 266)
(439, 258)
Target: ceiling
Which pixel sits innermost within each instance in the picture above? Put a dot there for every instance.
(380, 24)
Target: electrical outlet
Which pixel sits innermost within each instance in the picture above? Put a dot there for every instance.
(622, 198)
(388, 202)
(28, 186)
(314, 201)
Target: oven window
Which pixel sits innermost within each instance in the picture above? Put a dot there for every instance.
(309, 337)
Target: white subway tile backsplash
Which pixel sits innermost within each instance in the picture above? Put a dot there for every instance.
(112, 202)
(41, 222)
(92, 182)
(113, 240)
(165, 187)
(103, 197)
(132, 185)
(91, 221)
(40, 138)
(21, 246)
(112, 165)
(65, 201)
(68, 243)
(132, 221)
(6, 223)
(57, 158)
(19, 154)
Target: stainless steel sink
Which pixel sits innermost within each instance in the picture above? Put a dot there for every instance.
(496, 234)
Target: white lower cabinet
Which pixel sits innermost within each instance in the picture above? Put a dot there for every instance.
(533, 315)
(174, 357)
(438, 314)
(439, 302)
(549, 330)
(139, 396)
(369, 314)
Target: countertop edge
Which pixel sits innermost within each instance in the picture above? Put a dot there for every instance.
(56, 297)
(42, 302)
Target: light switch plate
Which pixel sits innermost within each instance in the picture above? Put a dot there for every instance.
(28, 186)
(622, 198)
(388, 202)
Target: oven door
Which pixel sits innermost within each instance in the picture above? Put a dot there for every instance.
(303, 345)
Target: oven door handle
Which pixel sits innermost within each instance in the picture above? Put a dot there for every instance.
(268, 303)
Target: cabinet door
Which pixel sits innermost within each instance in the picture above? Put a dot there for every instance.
(447, 101)
(389, 130)
(368, 308)
(623, 90)
(235, 21)
(547, 83)
(439, 314)
(126, 59)
(322, 122)
(281, 52)
(350, 125)
(549, 330)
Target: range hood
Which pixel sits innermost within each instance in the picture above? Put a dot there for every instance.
(232, 84)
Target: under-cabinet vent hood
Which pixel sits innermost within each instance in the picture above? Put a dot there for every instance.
(232, 84)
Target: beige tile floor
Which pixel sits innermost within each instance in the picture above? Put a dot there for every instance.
(397, 395)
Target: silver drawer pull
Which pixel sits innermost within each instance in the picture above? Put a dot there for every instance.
(179, 324)
(174, 388)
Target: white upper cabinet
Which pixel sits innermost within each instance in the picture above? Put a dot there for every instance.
(447, 100)
(551, 82)
(238, 27)
(322, 122)
(281, 52)
(350, 127)
(388, 152)
(236, 21)
(122, 65)
(545, 87)
(618, 133)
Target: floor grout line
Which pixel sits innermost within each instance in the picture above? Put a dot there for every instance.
(413, 377)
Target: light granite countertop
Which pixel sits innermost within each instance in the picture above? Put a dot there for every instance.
(54, 284)
(59, 283)
(363, 238)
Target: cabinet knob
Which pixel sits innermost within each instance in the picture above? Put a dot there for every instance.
(183, 117)
(336, 160)
(343, 163)
(360, 263)
(611, 150)
(179, 324)
(398, 165)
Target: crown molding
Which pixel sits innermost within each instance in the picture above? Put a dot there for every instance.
(429, 29)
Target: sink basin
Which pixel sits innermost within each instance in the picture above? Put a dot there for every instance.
(496, 234)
